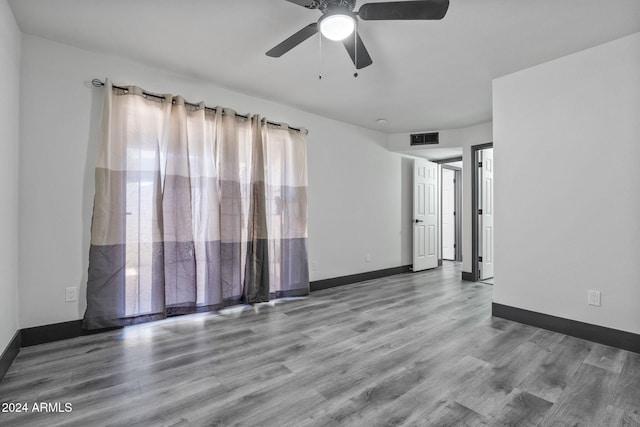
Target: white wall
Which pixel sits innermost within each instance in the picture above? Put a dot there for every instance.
(357, 188)
(454, 138)
(9, 142)
(567, 186)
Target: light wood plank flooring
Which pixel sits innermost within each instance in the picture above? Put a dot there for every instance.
(415, 349)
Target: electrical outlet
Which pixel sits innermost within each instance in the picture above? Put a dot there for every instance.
(593, 298)
(367, 258)
(71, 294)
(314, 266)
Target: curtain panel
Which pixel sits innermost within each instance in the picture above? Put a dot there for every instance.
(195, 209)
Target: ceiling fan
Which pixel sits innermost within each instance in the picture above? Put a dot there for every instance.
(338, 22)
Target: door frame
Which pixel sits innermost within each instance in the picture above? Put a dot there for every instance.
(475, 242)
(457, 207)
(442, 163)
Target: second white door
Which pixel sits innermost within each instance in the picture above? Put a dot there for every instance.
(448, 215)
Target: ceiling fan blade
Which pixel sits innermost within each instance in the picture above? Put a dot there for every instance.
(407, 10)
(361, 55)
(309, 4)
(293, 41)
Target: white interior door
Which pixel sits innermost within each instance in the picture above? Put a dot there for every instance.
(425, 215)
(485, 248)
(448, 215)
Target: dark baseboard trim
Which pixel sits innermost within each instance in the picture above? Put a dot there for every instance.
(56, 332)
(61, 331)
(467, 276)
(72, 329)
(600, 334)
(319, 285)
(9, 354)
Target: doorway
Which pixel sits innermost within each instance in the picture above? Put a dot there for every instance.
(482, 213)
(451, 224)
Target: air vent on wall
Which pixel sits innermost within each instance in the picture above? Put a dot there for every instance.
(425, 138)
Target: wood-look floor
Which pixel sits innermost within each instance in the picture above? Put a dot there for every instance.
(415, 349)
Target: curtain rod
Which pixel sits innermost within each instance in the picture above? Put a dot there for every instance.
(100, 83)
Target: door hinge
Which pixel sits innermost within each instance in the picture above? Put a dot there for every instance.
(479, 164)
(454, 246)
(479, 259)
(454, 212)
(479, 211)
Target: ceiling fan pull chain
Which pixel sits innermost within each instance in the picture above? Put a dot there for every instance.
(320, 57)
(355, 43)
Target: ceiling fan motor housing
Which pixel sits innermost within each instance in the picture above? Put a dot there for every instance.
(328, 6)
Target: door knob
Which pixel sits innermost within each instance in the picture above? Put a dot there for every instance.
(419, 220)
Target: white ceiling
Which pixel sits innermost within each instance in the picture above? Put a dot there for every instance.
(426, 75)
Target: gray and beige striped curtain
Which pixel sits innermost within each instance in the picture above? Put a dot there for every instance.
(195, 209)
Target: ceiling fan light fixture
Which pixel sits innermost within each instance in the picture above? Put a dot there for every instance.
(337, 26)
